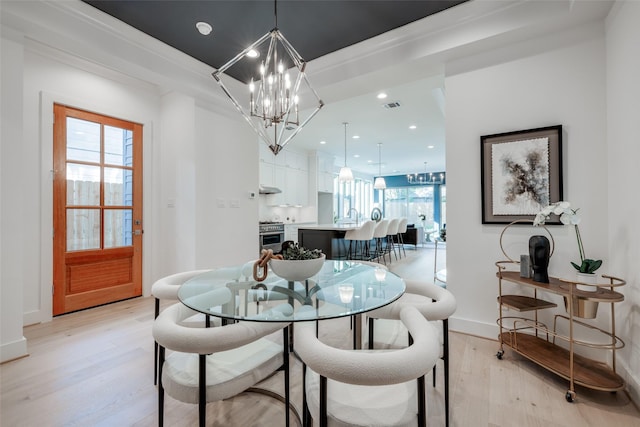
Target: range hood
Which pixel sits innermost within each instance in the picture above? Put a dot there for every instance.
(264, 189)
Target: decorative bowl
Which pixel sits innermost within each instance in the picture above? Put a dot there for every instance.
(296, 270)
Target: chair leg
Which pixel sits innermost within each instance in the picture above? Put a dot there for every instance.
(285, 355)
(323, 401)
(155, 347)
(422, 403)
(371, 319)
(445, 354)
(160, 388)
(401, 240)
(306, 415)
(202, 389)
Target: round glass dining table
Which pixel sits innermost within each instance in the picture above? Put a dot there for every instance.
(341, 288)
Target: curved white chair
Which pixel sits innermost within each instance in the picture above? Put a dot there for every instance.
(380, 235)
(392, 232)
(211, 364)
(436, 304)
(402, 228)
(166, 288)
(366, 388)
(361, 236)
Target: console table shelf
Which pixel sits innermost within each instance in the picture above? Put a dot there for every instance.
(538, 343)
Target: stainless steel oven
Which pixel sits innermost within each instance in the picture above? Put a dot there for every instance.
(271, 235)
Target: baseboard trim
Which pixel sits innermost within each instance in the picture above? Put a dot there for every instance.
(473, 327)
(13, 350)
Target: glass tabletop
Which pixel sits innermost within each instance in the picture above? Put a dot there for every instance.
(341, 288)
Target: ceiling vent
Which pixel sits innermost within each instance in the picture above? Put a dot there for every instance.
(390, 105)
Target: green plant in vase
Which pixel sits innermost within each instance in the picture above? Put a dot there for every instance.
(569, 216)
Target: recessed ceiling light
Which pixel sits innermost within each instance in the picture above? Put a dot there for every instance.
(369, 161)
(430, 146)
(412, 127)
(204, 28)
(253, 53)
(323, 142)
(356, 137)
(356, 155)
(382, 95)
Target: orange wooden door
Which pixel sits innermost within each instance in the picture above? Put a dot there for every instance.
(97, 209)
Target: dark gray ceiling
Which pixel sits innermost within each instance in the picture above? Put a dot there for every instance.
(314, 28)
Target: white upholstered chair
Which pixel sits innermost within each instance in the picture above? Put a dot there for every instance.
(166, 288)
(360, 238)
(362, 387)
(436, 304)
(212, 364)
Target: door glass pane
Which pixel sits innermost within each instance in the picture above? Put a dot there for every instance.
(117, 227)
(395, 202)
(118, 146)
(83, 140)
(83, 229)
(83, 185)
(118, 187)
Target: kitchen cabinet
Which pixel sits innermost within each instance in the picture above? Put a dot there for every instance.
(325, 173)
(287, 171)
(549, 346)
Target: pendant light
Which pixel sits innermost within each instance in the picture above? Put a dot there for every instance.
(274, 91)
(345, 172)
(379, 183)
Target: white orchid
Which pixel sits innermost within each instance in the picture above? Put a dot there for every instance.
(569, 216)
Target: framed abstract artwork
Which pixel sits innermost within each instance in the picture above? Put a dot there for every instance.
(521, 174)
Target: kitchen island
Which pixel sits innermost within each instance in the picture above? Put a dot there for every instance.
(329, 238)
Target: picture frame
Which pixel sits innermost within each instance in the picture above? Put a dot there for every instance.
(521, 173)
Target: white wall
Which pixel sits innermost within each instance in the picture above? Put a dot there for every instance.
(564, 86)
(623, 233)
(12, 343)
(226, 162)
(179, 139)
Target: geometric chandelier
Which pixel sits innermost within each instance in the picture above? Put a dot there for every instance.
(273, 107)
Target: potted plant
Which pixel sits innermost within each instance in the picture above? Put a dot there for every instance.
(569, 216)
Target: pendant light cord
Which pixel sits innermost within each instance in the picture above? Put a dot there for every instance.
(275, 11)
(345, 144)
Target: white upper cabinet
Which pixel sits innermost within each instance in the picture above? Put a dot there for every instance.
(287, 171)
(325, 173)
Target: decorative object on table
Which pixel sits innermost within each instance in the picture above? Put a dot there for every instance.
(521, 173)
(274, 105)
(569, 216)
(539, 250)
(528, 258)
(443, 233)
(297, 263)
(525, 266)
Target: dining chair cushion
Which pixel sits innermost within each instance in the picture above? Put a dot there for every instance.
(228, 373)
(387, 405)
(239, 355)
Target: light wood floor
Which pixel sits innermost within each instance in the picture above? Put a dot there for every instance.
(95, 368)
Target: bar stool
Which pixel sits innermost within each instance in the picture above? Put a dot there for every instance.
(380, 234)
(360, 237)
(392, 231)
(402, 228)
